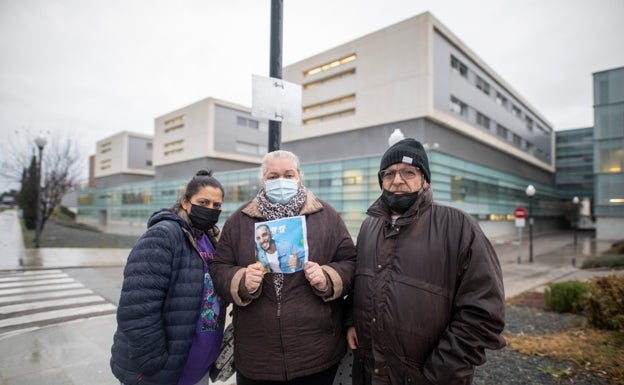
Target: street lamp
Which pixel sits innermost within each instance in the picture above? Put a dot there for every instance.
(40, 141)
(575, 215)
(530, 191)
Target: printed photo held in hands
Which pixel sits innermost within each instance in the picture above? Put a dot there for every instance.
(281, 244)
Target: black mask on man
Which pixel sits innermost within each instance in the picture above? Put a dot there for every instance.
(203, 218)
(399, 203)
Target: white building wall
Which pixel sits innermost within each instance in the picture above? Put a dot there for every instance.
(111, 155)
(382, 93)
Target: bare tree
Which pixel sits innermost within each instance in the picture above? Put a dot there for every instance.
(63, 165)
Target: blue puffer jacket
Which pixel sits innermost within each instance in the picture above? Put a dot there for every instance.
(159, 303)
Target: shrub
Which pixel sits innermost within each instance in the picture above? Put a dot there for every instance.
(616, 248)
(566, 297)
(605, 302)
(605, 260)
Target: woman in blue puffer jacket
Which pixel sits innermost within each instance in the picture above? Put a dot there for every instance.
(170, 320)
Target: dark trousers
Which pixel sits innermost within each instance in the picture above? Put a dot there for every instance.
(325, 377)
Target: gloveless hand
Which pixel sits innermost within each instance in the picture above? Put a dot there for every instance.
(314, 274)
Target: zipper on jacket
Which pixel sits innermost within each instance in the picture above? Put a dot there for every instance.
(279, 308)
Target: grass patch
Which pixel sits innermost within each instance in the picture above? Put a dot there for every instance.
(591, 350)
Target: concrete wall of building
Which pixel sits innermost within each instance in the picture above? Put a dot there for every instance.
(186, 169)
(209, 128)
(121, 179)
(610, 228)
(390, 81)
(123, 153)
(184, 134)
(237, 132)
(497, 104)
(140, 153)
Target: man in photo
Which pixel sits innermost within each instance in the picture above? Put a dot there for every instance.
(279, 257)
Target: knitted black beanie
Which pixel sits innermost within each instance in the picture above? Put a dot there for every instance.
(408, 151)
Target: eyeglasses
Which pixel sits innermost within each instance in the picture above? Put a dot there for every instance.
(405, 173)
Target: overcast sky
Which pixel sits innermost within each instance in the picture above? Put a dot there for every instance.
(99, 67)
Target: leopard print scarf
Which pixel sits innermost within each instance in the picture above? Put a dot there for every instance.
(272, 211)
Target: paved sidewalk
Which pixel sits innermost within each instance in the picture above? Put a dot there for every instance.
(78, 352)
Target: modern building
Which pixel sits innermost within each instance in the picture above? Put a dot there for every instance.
(486, 142)
(212, 134)
(575, 174)
(609, 153)
(123, 158)
(419, 77)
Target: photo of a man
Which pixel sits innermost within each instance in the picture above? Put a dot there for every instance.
(280, 253)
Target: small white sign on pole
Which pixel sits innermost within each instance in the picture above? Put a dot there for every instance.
(520, 222)
(275, 99)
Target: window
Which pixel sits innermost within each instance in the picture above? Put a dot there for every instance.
(328, 79)
(246, 122)
(611, 159)
(459, 66)
(516, 111)
(335, 115)
(328, 103)
(458, 107)
(501, 100)
(330, 65)
(529, 123)
(483, 120)
(517, 140)
(483, 85)
(176, 119)
(501, 131)
(174, 123)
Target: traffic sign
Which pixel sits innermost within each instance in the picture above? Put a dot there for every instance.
(520, 212)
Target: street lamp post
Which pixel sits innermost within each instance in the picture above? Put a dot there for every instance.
(40, 141)
(575, 215)
(530, 191)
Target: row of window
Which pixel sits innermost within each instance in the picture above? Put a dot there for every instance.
(330, 65)
(501, 100)
(461, 108)
(333, 102)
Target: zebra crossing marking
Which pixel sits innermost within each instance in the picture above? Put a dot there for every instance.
(35, 298)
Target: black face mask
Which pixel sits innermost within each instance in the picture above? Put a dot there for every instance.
(399, 203)
(203, 218)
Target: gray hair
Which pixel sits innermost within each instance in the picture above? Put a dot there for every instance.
(280, 154)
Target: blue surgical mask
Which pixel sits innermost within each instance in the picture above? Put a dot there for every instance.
(281, 190)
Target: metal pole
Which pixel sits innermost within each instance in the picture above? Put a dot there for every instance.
(530, 229)
(38, 224)
(576, 220)
(519, 244)
(275, 67)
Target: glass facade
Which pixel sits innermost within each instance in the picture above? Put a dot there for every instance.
(575, 162)
(609, 142)
(349, 185)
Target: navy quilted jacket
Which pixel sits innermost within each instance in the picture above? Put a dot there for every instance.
(159, 303)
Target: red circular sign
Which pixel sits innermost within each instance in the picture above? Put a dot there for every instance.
(520, 212)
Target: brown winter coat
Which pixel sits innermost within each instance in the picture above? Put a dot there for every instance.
(428, 296)
(302, 333)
